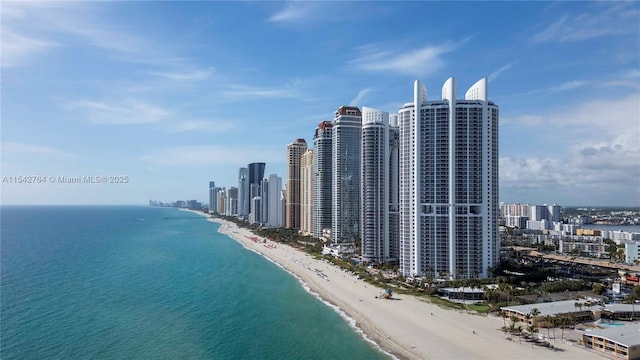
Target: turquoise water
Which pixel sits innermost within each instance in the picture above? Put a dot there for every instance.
(125, 283)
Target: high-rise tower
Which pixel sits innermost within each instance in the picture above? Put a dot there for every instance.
(449, 184)
(374, 183)
(322, 174)
(243, 192)
(294, 155)
(274, 211)
(347, 132)
(306, 192)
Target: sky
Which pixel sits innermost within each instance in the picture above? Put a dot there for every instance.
(172, 95)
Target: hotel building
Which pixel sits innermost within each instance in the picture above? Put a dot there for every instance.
(232, 201)
(212, 196)
(347, 134)
(449, 183)
(275, 212)
(243, 192)
(376, 181)
(306, 192)
(294, 156)
(322, 175)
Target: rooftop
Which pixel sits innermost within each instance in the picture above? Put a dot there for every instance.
(628, 335)
(548, 308)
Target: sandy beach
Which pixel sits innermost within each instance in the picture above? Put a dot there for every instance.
(406, 327)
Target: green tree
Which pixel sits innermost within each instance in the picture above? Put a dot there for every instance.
(549, 322)
(531, 330)
(534, 314)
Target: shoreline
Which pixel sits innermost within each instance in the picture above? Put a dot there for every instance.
(406, 327)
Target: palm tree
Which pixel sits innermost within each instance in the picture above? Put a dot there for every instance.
(534, 314)
(531, 330)
(519, 332)
(563, 322)
(631, 299)
(548, 319)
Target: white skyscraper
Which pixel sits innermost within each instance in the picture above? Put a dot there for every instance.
(275, 214)
(322, 175)
(449, 184)
(243, 192)
(374, 183)
(347, 133)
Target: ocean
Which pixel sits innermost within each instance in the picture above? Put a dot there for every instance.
(136, 282)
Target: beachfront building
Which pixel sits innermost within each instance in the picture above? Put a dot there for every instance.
(231, 208)
(394, 189)
(274, 212)
(212, 196)
(573, 310)
(345, 209)
(449, 184)
(623, 342)
(621, 311)
(264, 203)
(376, 182)
(243, 192)
(322, 175)
(306, 192)
(221, 198)
(294, 156)
(256, 174)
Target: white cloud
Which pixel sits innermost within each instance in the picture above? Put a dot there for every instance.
(209, 126)
(292, 90)
(569, 85)
(602, 158)
(85, 21)
(494, 75)
(418, 62)
(195, 75)
(361, 94)
(18, 49)
(296, 11)
(123, 113)
(618, 18)
(212, 156)
(21, 148)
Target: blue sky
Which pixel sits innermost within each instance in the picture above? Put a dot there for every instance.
(175, 94)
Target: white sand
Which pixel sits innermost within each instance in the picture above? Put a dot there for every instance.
(406, 327)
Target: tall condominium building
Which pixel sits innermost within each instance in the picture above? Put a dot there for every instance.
(546, 212)
(243, 192)
(347, 134)
(322, 175)
(394, 189)
(374, 183)
(294, 156)
(221, 200)
(212, 196)
(256, 174)
(306, 192)
(449, 184)
(274, 212)
(232, 201)
(264, 195)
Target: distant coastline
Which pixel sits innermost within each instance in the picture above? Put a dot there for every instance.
(627, 228)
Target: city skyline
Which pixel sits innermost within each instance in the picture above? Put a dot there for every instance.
(164, 94)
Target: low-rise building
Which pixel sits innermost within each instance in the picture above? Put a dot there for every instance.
(621, 341)
(570, 309)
